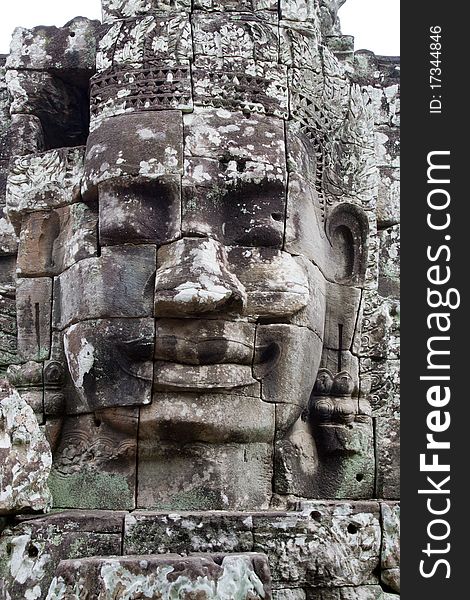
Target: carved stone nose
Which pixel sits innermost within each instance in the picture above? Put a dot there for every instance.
(193, 277)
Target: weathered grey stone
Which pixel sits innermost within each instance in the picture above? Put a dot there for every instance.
(43, 181)
(369, 592)
(389, 262)
(119, 283)
(148, 144)
(204, 476)
(27, 379)
(154, 39)
(120, 9)
(52, 241)
(284, 594)
(243, 576)
(149, 532)
(140, 210)
(32, 549)
(286, 357)
(378, 331)
(59, 104)
(33, 308)
(326, 545)
(95, 461)
(27, 135)
(388, 457)
(244, 142)
(305, 234)
(236, 35)
(8, 239)
(276, 284)
(8, 325)
(238, 202)
(231, 136)
(193, 277)
(69, 49)
(388, 201)
(380, 384)
(204, 417)
(110, 363)
(25, 457)
(390, 556)
(341, 316)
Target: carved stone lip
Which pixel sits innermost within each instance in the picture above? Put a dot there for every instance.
(203, 342)
(175, 376)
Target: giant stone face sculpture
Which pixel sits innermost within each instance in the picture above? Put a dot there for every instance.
(200, 323)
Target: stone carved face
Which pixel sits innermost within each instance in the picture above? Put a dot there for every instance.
(220, 284)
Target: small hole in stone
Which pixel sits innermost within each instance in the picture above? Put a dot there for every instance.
(241, 166)
(72, 34)
(352, 529)
(33, 551)
(98, 422)
(9, 548)
(276, 216)
(359, 476)
(316, 515)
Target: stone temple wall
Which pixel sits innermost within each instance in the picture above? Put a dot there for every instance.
(199, 306)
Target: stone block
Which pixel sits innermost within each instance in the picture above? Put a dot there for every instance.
(232, 136)
(148, 144)
(387, 431)
(205, 342)
(25, 457)
(343, 303)
(305, 233)
(193, 278)
(389, 262)
(94, 465)
(388, 200)
(8, 239)
(33, 309)
(237, 203)
(243, 576)
(380, 384)
(43, 181)
(52, 241)
(390, 557)
(204, 476)
(149, 532)
(363, 592)
(249, 36)
(325, 545)
(153, 38)
(65, 50)
(235, 83)
(110, 363)
(140, 210)
(121, 9)
(205, 417)
(26, 134)
(119, 283)
(378, 332)
(276, 284)
(347, 467)
(144, 89)
(31, 549)
(286, 362)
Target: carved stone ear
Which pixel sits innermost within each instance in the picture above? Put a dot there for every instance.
(347, 230)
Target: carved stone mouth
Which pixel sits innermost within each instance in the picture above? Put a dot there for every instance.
(175, 376)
